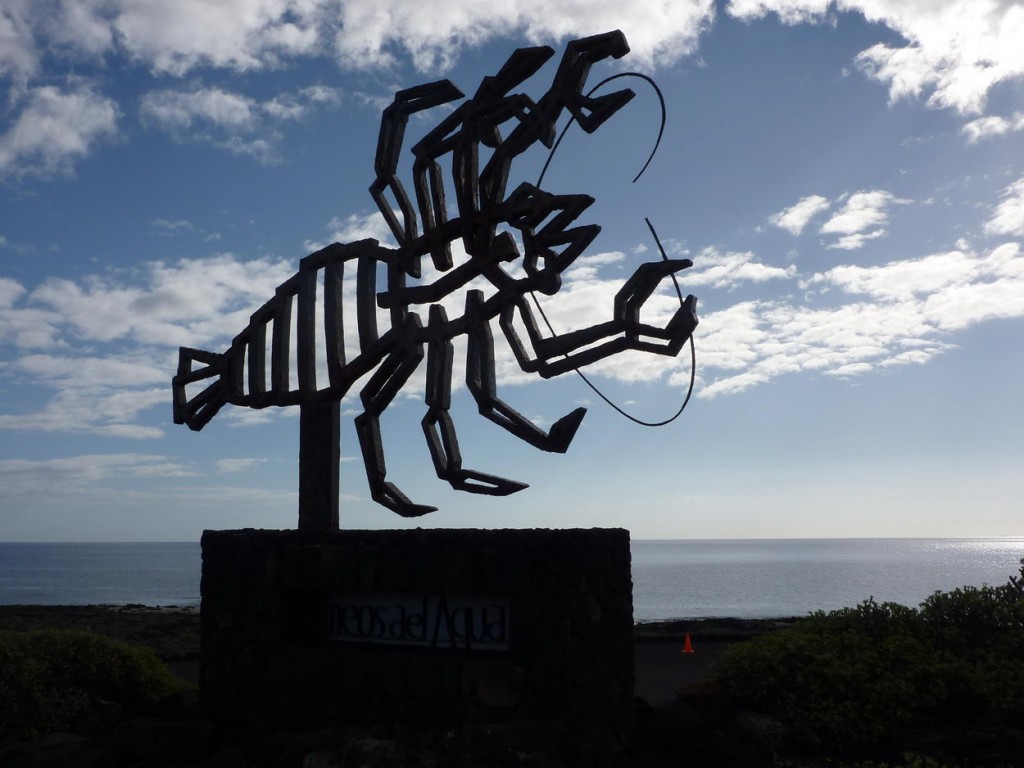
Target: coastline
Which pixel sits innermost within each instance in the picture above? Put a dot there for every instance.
(681, 711)
(173, 631)
(662, 672)
(719, 628)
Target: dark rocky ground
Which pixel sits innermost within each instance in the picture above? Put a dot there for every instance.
(172, 632)
(721, 629)
(680, 719)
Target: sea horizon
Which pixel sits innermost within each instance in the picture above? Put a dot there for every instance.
(672, 578)
(1019, 537)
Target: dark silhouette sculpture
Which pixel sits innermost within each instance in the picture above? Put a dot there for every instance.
(551, 243)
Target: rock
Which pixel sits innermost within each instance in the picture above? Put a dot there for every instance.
(180, 705)
(146, 738)
(227, 757)
(1013, 745)
(709, 699)
(679, 726)
(370, 752)
(57, 750)
(97, 717)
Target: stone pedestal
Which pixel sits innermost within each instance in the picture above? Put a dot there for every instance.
(304, 629)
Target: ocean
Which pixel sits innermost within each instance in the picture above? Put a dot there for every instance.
(671, 579)
(100, 574)
(792, 577)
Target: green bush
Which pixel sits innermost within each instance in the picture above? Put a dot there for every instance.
(869, 673)
(49, 676)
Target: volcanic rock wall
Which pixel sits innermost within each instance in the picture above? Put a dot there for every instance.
(428, 627)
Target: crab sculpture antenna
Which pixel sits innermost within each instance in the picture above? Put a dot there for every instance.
(419, 331)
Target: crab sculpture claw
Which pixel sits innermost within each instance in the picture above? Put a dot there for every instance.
(634, 295)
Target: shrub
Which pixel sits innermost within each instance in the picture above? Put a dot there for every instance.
(865, 674)
(49, 676)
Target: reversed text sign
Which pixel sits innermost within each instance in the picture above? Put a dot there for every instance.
(434, 621)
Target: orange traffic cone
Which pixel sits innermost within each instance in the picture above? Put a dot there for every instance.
(687, 645)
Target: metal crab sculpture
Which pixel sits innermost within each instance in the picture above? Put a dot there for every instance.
(550, 245)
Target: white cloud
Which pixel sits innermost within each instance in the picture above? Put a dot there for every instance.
(19, 57)
(54, 129)
(32, 29)
(10, 291)
(124, 329)
(956, 51)
(187, 302)
(243, 35)
(796, 217)
(1008, 218)
(105, 411)
(912, 306)
(30, 476)
(727, 270)
(901, 280)
(850, 369)
(862, 210)
(992, 125)
(788, 11)
(87, 412)
(132, 330)
(353, 228)
(856, 240)
(168, 227)
(863, 217)
(761, 341)
(58, 126)
(26, 328)
(85, 372)
(230, 120)
(432, 34)
(225, 466)
(321, 94)
(282, 108)
(933, 276)
(589, 267)
(587, 297)
(179, 110)
(248, 417)
(79, 26)
(234, 34)
(51, 37)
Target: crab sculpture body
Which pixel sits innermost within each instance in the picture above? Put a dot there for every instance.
(505, 124)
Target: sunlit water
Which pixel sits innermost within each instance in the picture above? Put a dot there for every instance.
(671, 579)
(791, 577)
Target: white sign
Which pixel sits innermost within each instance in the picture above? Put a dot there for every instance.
(434, 621)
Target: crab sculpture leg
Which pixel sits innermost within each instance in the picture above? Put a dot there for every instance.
(440, 429)
(482, 382)
(385, 383)
(438, 426)
(389, 144)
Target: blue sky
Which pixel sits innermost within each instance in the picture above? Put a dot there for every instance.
(847, 178)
